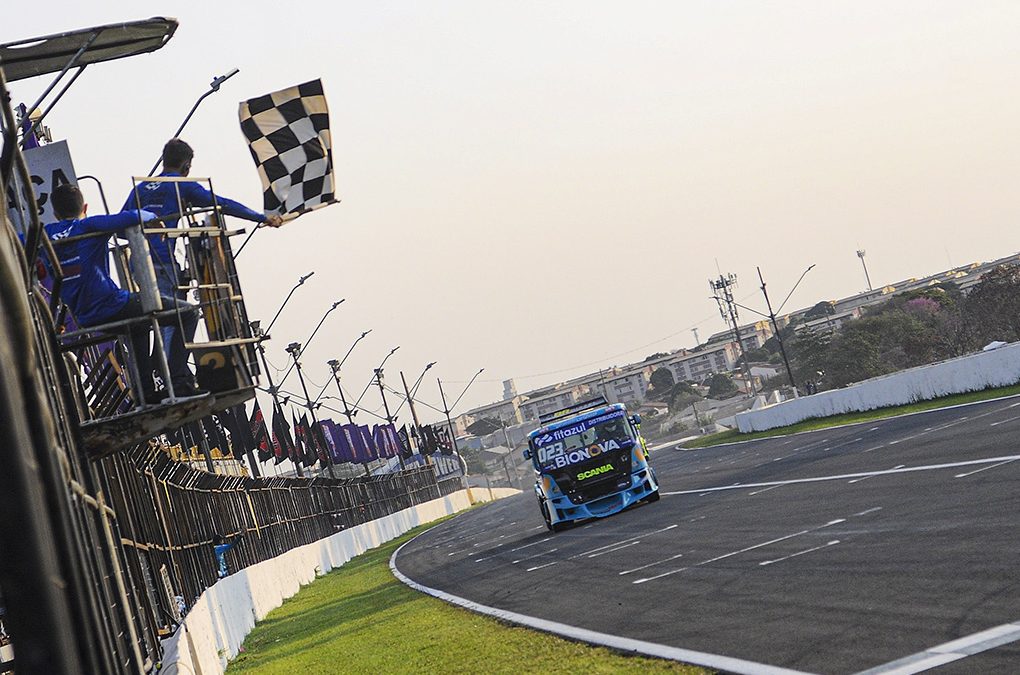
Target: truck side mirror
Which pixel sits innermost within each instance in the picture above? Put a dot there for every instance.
(527, 453)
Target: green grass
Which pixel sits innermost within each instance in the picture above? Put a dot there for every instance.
(360, 619)
(733, 435)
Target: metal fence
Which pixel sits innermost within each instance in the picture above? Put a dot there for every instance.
(169, 515)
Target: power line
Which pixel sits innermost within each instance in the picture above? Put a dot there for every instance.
(606, 358)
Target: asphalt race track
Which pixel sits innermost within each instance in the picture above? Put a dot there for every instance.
(838, 551)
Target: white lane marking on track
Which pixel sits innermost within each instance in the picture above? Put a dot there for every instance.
(950, 651)
(844, 476)
(743, 550)
(537, 555)
(794, 555)
(613, 550)
(877, 447)
(513, 550)
(1008, 419)
(474, 546)
(867, 511)
(617, 642)
(539, 527)
(758, 492)
(623, 541)
(873, 429)
(993, 466)
(653, 564)
(1014, 405)
(538, 567)
(858, 480)
(534, 543)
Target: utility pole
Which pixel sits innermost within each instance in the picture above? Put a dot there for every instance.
(697, 341)
(386, 408)
(729, 315)
(860, 254)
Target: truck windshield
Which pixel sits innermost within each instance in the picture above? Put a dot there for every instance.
(615, 429)
(584, 440)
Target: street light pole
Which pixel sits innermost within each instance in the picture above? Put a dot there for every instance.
(372, 381)
(775, 329)
(449, 422)
(386, 408)
(310, 338)
(337, 365)
(262, 337)
(294, 349)
(300, 282)
(867, 277)
(214, 86)
(410, 403)
(348, 413)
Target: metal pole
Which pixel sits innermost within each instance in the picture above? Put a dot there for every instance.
(449, 423)
(343, 399)
(367, 386)
(386, 408)
(723, 285)
(214, 86)
(414, 412)
(310, 338)
(466, 386)
(339, 364)
(301, 282)
(775, 328)
(277, 408)
(295, 350)
(860, 254)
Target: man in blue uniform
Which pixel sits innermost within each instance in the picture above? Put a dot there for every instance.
(161, 199)
(94, 298)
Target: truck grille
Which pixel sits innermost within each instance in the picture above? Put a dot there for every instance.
(599, 485)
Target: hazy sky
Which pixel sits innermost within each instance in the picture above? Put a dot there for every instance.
(543, 188)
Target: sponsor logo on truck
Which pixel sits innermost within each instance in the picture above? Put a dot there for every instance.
(597, 471)
(558, 456)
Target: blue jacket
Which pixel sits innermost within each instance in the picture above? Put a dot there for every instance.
(88, 289)
(161, 199)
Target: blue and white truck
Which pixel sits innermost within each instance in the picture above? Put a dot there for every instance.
(590, 462)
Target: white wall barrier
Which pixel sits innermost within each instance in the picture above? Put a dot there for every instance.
(974, 372)
(226, 612)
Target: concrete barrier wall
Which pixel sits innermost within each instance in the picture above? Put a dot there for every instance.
(226, 612)
(996, 368)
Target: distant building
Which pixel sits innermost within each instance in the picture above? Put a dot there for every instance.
(534, 408)
(699, 366)
(628, 387)
(753, 335)
(830, 322)
(508, 411)
(509, 390)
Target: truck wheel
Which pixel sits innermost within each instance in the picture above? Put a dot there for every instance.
(653, 497)
(545, 516)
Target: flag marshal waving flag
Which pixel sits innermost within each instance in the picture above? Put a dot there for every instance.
(288, 135)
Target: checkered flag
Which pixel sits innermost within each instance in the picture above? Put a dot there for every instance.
(288, 135)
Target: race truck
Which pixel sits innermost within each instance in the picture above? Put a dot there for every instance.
(590, 462)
